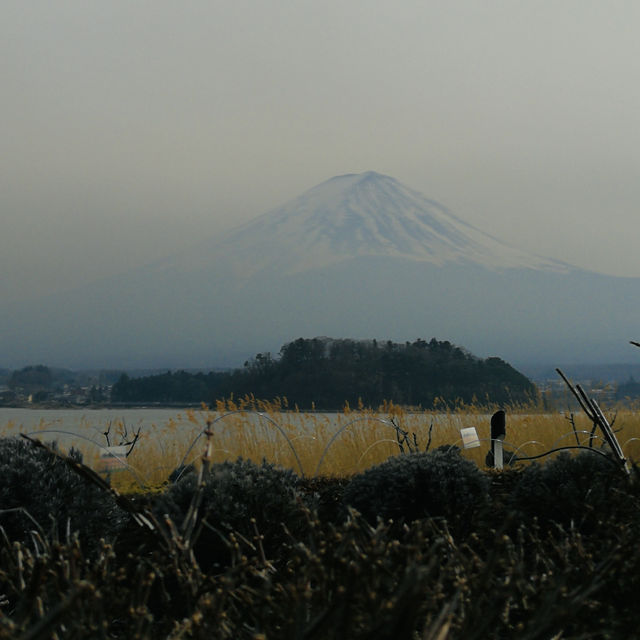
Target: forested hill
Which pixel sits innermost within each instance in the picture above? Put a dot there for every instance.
(325, 373)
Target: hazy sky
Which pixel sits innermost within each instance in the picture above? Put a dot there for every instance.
(132, 129)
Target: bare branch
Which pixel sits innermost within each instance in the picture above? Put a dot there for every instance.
(107, 432)
(571, 419)
(576, 394)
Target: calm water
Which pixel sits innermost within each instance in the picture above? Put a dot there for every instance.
(75, 427)
(96, 421)
(83, 420)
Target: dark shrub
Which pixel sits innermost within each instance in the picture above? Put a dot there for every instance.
(233, 495)
(325, 493)
(418, 485)
(567, 489)
(53, 495)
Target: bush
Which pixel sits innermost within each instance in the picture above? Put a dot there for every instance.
(408, 487)
(38, 483)
(326, 493)
(233, 495)
(567, 489)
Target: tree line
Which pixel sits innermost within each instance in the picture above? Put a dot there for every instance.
(326, 373)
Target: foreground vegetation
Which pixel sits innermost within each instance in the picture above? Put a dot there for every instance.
(250, 521)
(422, 545)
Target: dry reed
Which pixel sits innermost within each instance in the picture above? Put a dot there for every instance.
(332, 444)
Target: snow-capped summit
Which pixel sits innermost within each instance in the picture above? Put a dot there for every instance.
(366, 214)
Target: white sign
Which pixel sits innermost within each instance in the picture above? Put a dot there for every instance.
(469, 438)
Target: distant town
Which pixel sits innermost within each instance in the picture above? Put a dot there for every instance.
(40, 385)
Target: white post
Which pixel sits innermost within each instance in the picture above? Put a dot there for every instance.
(497, 453)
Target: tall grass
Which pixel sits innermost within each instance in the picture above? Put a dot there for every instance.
(337, 444)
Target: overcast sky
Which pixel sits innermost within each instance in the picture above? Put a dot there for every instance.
(132, 129)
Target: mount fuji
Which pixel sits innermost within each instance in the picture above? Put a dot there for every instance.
(358, 256)
(359, 215)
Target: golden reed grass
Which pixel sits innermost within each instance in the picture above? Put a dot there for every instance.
(338, 444)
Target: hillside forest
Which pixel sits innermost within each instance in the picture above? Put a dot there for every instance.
(327, 373)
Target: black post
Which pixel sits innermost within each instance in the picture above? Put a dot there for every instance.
(498, 432)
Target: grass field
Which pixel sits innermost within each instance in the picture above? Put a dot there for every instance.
(341, 444)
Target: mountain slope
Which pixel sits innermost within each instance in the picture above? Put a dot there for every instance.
(358, 257)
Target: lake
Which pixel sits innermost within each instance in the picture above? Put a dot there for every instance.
(78, 427)
(88, 420)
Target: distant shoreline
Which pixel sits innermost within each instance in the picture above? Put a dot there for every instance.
(145, 405)
(46, 406)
